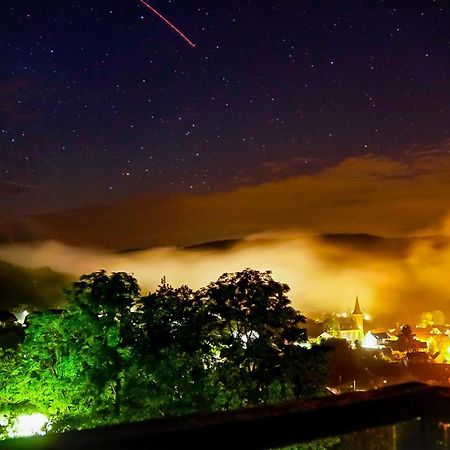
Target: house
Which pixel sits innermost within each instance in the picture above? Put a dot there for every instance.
(378, 339)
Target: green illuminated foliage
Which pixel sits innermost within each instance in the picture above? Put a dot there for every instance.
(114, 356)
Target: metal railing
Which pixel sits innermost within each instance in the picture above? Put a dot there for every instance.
(273, 426)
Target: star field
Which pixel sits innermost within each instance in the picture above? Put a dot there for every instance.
(100, 100)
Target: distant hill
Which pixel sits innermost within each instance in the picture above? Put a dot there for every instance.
(369, 242)
(392, 246)
(397, 246)
(34, 287)
(215, 245)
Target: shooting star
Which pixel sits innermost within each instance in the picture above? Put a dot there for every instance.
(171, 25)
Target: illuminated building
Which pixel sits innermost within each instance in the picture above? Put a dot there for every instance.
(352, 328)
(342, 326)
(378, 340)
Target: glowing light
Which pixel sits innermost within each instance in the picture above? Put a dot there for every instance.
(29, 425)
(21, 316)
(171, 25)
(370, 341)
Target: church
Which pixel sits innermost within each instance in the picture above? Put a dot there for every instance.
(352, 327)
(349, 327)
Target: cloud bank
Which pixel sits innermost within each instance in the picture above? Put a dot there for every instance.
(368, 194)
(395, 280)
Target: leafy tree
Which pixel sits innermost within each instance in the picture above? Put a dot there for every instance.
(332, 325)
(430, 318)
(406, 341)
(255, 330)
(101, 309)
(113, 356)
(175, 349)
(11, 336)
(344, 364)
(173, 317)
(438, 317)
(426, 319)
(43, 376)
(71, 365)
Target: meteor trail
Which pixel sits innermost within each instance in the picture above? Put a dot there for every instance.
(171, 25)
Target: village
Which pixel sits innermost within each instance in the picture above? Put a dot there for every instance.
(369, 358)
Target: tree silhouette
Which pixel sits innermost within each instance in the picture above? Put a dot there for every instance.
(406, 341)
(255, 329)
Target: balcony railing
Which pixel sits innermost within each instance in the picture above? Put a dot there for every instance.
(418, 415)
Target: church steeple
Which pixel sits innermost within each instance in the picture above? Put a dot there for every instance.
(358, 319)
(357, 309)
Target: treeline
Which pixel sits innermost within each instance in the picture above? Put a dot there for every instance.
(115, 355)
(40, 287)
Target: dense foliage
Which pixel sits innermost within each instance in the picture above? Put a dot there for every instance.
(113, 355)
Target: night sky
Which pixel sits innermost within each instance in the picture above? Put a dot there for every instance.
(101, 101)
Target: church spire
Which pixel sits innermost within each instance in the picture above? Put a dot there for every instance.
(357, 309)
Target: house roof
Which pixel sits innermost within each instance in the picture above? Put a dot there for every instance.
(381, 334)
(432, 330)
